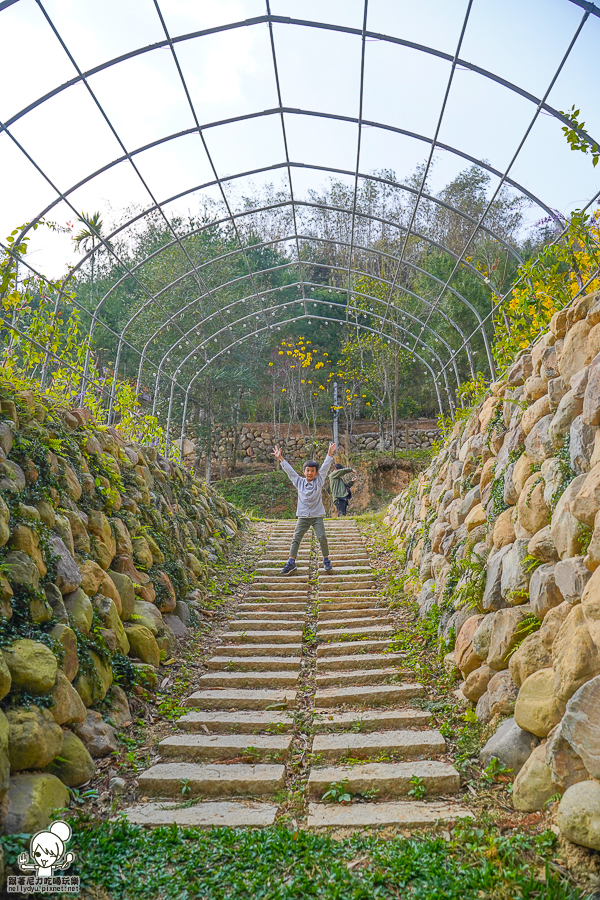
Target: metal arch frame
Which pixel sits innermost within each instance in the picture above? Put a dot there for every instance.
(273, 310)
(287, 20)
(266, 291)
(528, 130)
(281, 205)
(284, 322)
(309, 238)
(590, 9)
(431, 152)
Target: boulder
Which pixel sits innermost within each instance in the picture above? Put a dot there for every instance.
(581, 445)
(510, 745)
(499, 699)
(5, 678)
(102, 553)
(143, 644)
(55, 602)
(514, 582)
(124, 586)
(492, 594)
(33, 800)
(575, 656)
(521, 370)
(506, 633)
(80, 610)
(93, 682)
(68, 705)
(119, 714)
(538, 709)
(122, 537)
(78, 540)
(32, 666)
(175, 626)
(166, 598)
(68, 639)
(476, 683)
(12, 477)
(542, 547)
(536, 411)
(557, 388)
(575, 353)
(481, 638)
(571, 577)
(68, 480)
(569, 408)
(592, 557)
(148, 615)
(504, 532)
(464, 656)
(97, 735)
(107, 589)
(109, 616)
(591, 398)
(578, 815)
(21, 570)
(141, 552)
(538, 443)
(566, 765)
(27, 540)
(580, 725)
(92, 576)
(565, 528)
(544, 594)
(530, 657)
(157, 555)
(533, 513)
(34, 738)
(532, 788)
(74, 765)
(585, 505)
(552, 623)
(68, 577)
(182, 611)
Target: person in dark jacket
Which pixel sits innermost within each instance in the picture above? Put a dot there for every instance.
(340, 489)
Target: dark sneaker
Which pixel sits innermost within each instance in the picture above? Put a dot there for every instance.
(289, 567)
(327, 565)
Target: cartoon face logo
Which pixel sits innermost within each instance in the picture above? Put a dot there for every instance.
(47, 851)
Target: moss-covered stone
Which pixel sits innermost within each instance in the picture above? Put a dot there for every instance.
(92, 576)
(124, 586)
(108, 613)
(68, 706)
(93, 683)
(33, 800)
(80, 609)
(32, 666)
(21, 570)
(74, 765)
(34, 738)
(143, 644)
(68, 639)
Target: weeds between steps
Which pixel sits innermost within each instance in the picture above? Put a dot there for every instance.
(292, 803)
(120, 861)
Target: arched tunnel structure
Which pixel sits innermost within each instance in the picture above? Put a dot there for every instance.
(209, 306)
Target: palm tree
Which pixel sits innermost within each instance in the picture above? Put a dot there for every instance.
(86, 239)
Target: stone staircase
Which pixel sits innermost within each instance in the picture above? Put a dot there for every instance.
(228, 765)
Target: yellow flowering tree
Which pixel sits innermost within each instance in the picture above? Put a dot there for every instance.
(299, 381)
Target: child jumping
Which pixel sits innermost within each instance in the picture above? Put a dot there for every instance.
(310, 510)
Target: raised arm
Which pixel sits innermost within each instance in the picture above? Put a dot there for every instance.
(327, 464)
(291, 474)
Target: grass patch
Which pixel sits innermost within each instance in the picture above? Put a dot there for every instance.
(119, 860)
(267, 495)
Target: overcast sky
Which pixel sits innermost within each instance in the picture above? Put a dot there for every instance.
(232, 73)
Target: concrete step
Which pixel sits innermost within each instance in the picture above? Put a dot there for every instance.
(265, 613)
(353, 612)
(206, 747)
(266, 624)
(285, 595)
(355, 623)
(388, 675)
(326, 592)
(272, 579)
(333, 747)
(411, 814)
(366, 603)
(344, 648)
(371, 695)
(367, 720)
(207, 814)
(237, 722)
(346, 574)
(266, 649)
(388, 779)
(169, 780)
(259, 637)
(248, 679)
(357, 661)
(242, 699)
(351, 633)
(272, 606)
(254, 663)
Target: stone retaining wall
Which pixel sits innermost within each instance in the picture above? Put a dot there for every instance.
(105, 548)
(516, 489)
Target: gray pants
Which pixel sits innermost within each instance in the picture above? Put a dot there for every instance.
(302, 526)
